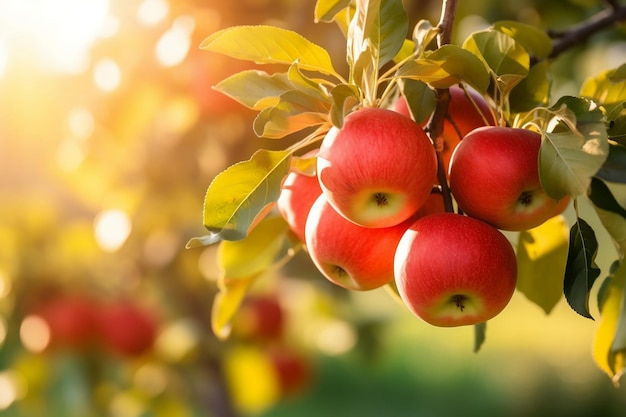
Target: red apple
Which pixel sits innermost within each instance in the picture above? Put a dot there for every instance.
(467, 115)
(298, 193)
(293, 370)
(349, 255)
(494, 177)
(453, 270)
(260, 319)
(378, 169)
(467, 109)
(126, 328)
(70, 319)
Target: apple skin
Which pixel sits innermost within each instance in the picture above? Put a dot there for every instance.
(351, 256)
(453, 270)
(294, 371)
(378, 169)
(259, 319)
(465, 117)
(462, 111)
(70, 319)
(298, 193)
(494, 177)
(125, 328)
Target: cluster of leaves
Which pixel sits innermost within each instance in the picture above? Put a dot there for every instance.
(583, 152)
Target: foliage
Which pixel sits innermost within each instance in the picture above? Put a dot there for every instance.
(582, 151)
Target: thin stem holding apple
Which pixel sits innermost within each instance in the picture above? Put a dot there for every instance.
(435, 125)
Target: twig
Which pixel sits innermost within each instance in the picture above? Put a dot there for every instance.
(581, 32)
(435, 126)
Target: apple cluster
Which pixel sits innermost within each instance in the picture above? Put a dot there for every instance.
(77, 321)
(373, 213)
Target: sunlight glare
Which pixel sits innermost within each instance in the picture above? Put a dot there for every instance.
(112, 228)
(58, 34)
(173, 46)
(4, 59)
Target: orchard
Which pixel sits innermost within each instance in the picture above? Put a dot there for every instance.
(307, 208)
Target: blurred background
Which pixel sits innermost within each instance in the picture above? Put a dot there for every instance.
(109, 136)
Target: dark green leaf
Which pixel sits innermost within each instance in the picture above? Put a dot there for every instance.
(601, 197)
(480, 334)
(420, 99)
(394, 27)
(616, 120)
(581, 270)
(533, 91)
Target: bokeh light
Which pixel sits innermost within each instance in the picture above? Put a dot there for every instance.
(111, 229)
(35, 333)
(107, 74)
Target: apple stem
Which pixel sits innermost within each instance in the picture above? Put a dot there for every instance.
(458, 299)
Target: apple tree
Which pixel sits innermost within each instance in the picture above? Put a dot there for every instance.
(340, 188)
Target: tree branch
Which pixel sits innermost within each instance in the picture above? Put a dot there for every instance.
(435, 126)
(583, 31)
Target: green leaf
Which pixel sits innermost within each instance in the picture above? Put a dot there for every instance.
(447, 66)
(534, 40)
(533, 91)
(424, 33)
(480, 334)
(607, 88)
(326, 10)
(574, 147)
(616, 120)
(507, 59)
(609, 346)
(243, 194)
(614, 168)
(255, 89)
(420, 99)
(345, 98)
(581, 270)
(375, 35)
(541, 259)
(601, 196)
(609, 201)
(269, 45)
(312, 87)
(295, 111)
(394, 26)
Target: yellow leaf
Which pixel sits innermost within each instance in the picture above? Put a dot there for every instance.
(541, 260)
(610, 361)
(226, 304)
(241, 263)
(257, 252)
(269, 45)
(250, 376)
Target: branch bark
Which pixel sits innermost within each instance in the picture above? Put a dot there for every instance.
(435, 126)
(580, 33)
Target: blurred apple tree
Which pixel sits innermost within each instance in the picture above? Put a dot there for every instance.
(109, 135)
